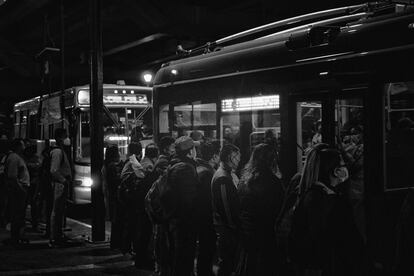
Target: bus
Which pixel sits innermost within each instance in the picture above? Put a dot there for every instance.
(126, 112)
(339, 76)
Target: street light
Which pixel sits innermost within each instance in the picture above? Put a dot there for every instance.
(147, 78)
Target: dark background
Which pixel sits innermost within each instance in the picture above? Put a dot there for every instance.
(138, 36)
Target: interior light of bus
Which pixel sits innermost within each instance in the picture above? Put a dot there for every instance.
(251, 103)
(83, 97)
(323, 73)
(116, 91)
(118, 138)
(123, 91)
(132, 92)
(174, 72)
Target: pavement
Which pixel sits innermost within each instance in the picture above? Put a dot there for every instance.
(81, 257)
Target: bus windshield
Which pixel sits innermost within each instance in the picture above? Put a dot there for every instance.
(119, 125)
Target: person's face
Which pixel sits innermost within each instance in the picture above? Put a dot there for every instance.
(216, 160)
(341, 172)
(319, 128)
(171, 150)
(234, 160)
(228, 132)
(22, 146)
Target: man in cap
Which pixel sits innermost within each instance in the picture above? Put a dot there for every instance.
(184, 182)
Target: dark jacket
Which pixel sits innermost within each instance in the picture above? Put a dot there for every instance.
(261, 199)
(327, 237)
(205, 174)
(112, 180)
(225, 199)
(183, 177)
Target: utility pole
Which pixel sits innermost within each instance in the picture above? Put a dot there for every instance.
(96, 128)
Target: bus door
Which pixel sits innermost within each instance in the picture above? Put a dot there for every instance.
(335, 118)
(310, 127)
(349, 126)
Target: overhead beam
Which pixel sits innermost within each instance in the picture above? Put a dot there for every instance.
(134, 44)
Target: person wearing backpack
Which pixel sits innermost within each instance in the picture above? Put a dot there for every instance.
(131, 198)
(181, 200)
(18, 182)
(209, 159)
(61, 176)
(226, 209)
(324, 239)
(153, 207)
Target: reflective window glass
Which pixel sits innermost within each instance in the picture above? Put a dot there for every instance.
(308, 128)
(399, 134)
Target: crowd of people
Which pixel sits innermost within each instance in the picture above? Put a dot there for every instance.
(189, 205)
(25, 180)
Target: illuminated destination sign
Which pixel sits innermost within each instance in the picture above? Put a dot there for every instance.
(129, 98)
(250, 103)
(125, 99)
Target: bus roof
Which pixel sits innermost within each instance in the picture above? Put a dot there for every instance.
(361, 33)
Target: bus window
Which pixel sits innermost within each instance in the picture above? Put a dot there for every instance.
(83, 152)
(33, 125)
(245, 121)
(17, 124)
(204, 120)
(399, 141)
(308, 128)
(182, 120)
(23, 124)
(115, 131)
(164, 127)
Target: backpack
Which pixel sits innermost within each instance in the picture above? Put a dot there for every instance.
(132, 191)
(160, 201)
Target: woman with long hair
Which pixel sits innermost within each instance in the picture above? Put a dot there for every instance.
(324, 239)
(111, 172)
(261, 196)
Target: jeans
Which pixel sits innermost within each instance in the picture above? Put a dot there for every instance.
(58, 211)
(17, 203)
(206, 249)
(184, 238)
(227, 249)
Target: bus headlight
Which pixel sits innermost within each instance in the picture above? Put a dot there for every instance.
(86, 182)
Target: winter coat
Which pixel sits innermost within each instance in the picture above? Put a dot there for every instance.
(326, 236)
(225, 199)
(261, 199)
(205, 174)
(183, 177)
(112, 179)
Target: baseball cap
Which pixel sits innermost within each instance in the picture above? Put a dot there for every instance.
(185, 143)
